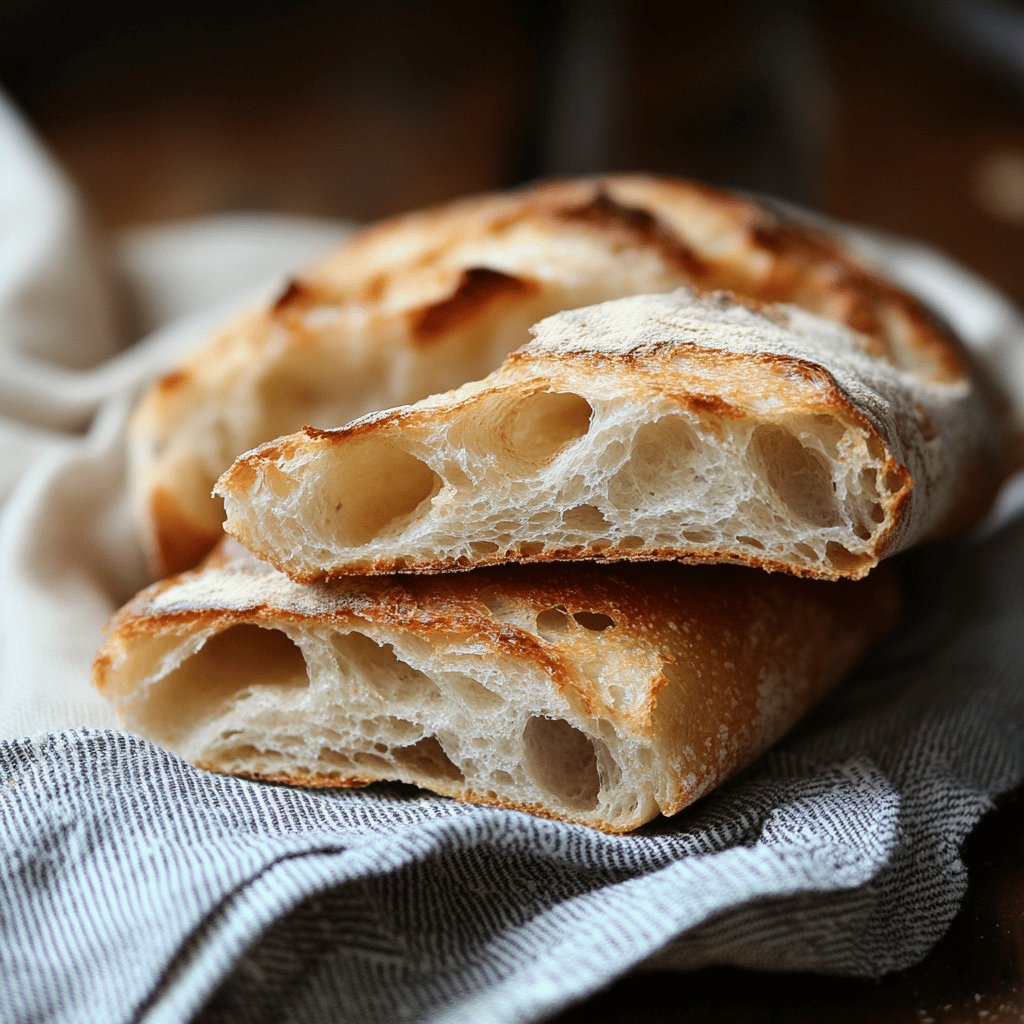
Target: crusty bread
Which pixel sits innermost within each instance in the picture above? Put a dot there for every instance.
(680, 426)
(431, 300)
(597, 695)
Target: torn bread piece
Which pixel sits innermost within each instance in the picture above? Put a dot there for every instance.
(598, 695)
(683, 426)
(431, 300)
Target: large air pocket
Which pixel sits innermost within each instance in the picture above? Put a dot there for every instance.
(374, 489)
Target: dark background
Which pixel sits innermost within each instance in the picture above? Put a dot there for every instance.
(908, 116)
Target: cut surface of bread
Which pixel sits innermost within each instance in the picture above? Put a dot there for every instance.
(681, 426)
(428, 301)
(597, 695)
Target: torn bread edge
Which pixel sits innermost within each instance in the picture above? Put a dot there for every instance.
(602, 696)
(700, 428)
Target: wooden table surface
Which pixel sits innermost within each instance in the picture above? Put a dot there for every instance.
(363, 111)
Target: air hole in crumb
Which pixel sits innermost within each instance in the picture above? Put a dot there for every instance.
(334, 758)
(799, 476)
(658, 467)
(698, 536)
(277, 482)
(397, 730)
(632, 542)
(502, 778)
(535, 429)
(483, 547)
(842, 558)
(428, 757)
(750, 542)
(596, 622)
(232, 664)
(601, 544)
(872, 513)
(806, 550)
(531, 547)
(869, 483)
(472, 692)
(553, 623)
(369, 760)
(377, 488)
(563, 761)
(381, 748)
(254, 758)
(893, 481)
(585, 519)
(828, 429)
(498, 604)
(393, 679)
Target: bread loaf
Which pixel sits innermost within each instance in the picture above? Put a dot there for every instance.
(602, 696)
(683, 426)
(426, 302)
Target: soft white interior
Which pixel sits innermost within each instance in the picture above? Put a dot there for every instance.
(372, 703)
(518, 478)
(357, 357)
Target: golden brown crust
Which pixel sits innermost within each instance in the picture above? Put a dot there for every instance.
(408, 271)
(729, 658)
(294, 293)
(780, 261)
(644, 598)
(636, 226)
(305, 780)
(180, 540)
(442, 565)
(477, 288)
(173, 381)
(655, 368)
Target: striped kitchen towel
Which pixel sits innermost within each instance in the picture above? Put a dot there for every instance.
(136, 888)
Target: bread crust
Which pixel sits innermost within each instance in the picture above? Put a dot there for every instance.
(929, 450)
(708, 666)
(423, 302)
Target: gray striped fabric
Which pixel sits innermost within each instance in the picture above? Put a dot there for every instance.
(133, 887)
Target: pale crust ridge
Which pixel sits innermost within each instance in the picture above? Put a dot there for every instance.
(685, 426)
(425, 302)
(598, 695)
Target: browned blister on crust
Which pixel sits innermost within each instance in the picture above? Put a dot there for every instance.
(428, 301)
(686, 426)
(598, 695)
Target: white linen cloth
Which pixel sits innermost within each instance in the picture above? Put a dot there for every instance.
(85, 323)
